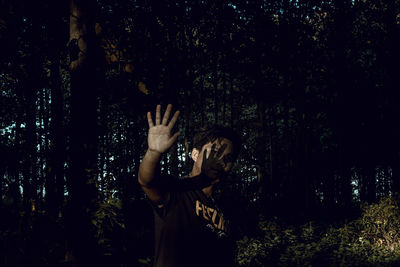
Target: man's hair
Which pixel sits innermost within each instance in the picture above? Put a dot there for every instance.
(214, 132)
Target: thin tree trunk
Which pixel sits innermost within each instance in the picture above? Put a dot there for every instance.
(224, 102)
(43, 143)
(231, 102)
(29, 170)
(16, 166)
(261, 148)
(216, 95)
(202, 99)
(271, 183)
(55, 175)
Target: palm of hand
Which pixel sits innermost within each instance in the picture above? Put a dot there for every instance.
(212, 166)
(158, 139)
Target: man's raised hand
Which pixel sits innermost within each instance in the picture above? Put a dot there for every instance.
(159, 138)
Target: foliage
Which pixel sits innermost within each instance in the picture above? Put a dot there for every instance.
(371, 240)
(381, 226)
(110, 225)
(38, 241)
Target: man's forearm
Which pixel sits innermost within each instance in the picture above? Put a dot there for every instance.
(148, 167)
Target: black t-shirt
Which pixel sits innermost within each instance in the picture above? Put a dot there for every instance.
(190, 231)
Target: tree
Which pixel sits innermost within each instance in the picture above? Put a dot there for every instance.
(84, 250)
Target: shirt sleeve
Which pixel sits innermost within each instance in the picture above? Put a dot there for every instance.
(165, 183)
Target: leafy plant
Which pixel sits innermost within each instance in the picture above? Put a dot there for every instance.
(109, 223)
(372, 239)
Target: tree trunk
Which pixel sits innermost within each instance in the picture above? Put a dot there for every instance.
(83, 248)
(29, 169)
(392, 61)
(215, 84)
(368, 184)
(261, 148)
(55, 169)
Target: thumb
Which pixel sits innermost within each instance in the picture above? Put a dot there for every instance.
(172, 140)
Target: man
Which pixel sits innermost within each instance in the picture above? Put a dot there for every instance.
(190, 228)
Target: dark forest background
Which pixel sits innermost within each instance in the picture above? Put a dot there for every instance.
(311, 86)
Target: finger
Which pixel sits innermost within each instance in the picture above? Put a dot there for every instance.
(227, 158)
(158, 110)
(149, 120)
(166, 114)
(204, 156)
(212, 152)
(172, 140)
(221, 151)
(173, 120)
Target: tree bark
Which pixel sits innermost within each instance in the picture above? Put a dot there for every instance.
(29, 169)
(56, 159)
(82, 245)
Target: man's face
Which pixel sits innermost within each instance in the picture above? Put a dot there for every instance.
(227, 155)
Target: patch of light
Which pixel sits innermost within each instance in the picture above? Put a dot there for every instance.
(355, 185)
(10, 128)
(232, 5)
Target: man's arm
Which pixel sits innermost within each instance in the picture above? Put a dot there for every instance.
(159, 141)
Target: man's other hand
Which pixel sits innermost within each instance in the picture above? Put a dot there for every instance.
(213, 166)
